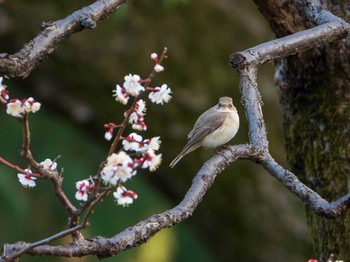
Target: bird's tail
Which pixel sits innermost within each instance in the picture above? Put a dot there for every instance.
(177, 159)
(187, 149)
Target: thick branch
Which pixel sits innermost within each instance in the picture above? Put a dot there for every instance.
(292, 44)
(144, 230)
(307, 195)
(291, 16)
(247, 62)
(252, 102)
(314, 14)
(22, 63)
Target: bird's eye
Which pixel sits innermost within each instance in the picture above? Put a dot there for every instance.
(230, 106)
(220, 105)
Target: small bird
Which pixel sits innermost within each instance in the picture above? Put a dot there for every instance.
(213, 128)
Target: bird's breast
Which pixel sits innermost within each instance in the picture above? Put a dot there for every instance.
(224, 133)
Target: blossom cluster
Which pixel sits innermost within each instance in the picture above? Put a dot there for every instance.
(16, 107)
(132, 87)
(82, 187)
(27, 178)
(120, 166)
(136, 152)
(136, 117)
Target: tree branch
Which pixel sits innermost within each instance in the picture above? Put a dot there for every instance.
(26, 247)
(290, 45)
(22, 63)
(307, 195)
(246, 64)
(144, 230)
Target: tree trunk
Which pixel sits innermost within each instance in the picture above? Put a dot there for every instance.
(314, 92)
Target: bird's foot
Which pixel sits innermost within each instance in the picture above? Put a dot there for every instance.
(220, 153)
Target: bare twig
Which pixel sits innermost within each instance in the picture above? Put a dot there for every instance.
(22, 63)
(26, 138)
(16, 168)
(55, 178)
(26, 246)
(94, 203)
(307, 195)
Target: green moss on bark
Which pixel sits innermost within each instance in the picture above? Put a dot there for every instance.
(316, 109)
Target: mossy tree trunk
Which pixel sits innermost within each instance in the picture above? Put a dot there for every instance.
(314, 92)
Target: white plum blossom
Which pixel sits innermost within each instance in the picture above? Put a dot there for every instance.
(31, 106)
(124, 197)
(48, 164)
(109, 134)
(83, 187)
(15, 108)
(133, 142)
(140, 126)
(121, 95)
(160, 95)
(140, 107)
(137, 120)
(35, 107)
(109, 175)
(26, 179)
(116, 159)
(154, 56)
(134, 118)
(153, 143)
(158, 68)
(118, 167)
(132, 84)
(152, 161)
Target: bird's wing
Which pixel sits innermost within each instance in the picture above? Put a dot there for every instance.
(203, 128)
(200, 121)
(207, 123)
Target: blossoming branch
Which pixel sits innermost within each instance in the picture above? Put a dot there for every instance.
(128, 153)
(135, 152)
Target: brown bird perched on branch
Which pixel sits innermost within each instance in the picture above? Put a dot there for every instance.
(214, 128)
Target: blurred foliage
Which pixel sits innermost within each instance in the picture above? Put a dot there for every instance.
(246, 215)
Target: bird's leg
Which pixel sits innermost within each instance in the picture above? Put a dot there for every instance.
(218, 152)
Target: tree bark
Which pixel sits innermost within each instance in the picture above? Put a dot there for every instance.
(314, 95)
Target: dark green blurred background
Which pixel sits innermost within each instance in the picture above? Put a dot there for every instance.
(246, 215)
